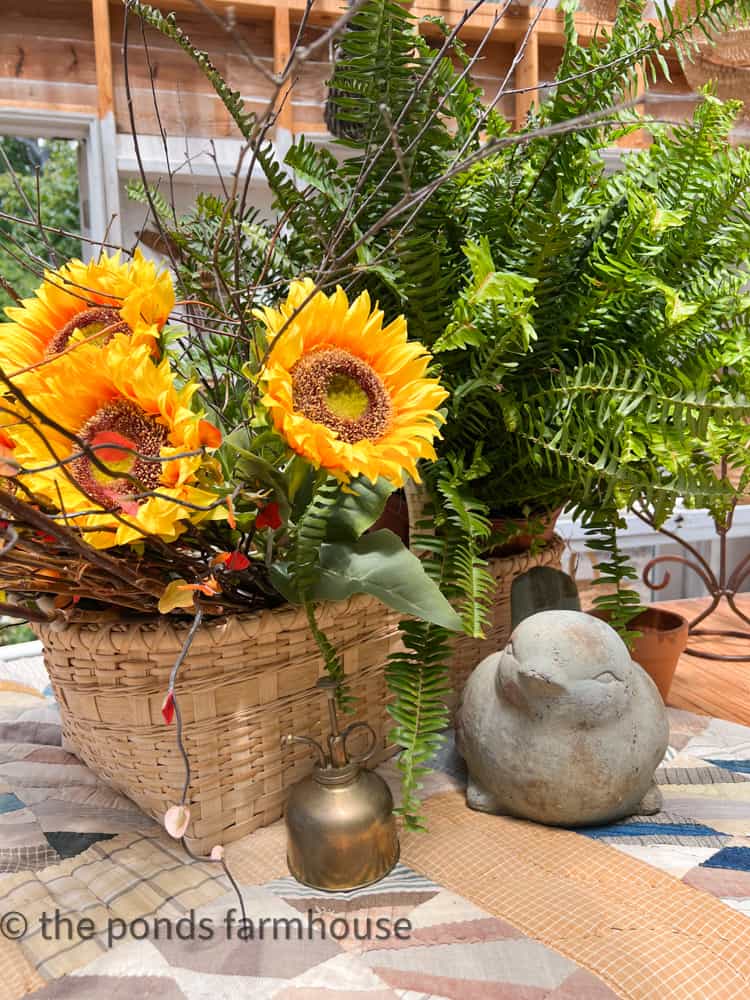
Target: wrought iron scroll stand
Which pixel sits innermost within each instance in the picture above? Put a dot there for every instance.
(722, 587)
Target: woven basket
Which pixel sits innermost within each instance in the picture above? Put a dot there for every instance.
(467, 653)
(604, 10)
(725, 61)
(246, 683)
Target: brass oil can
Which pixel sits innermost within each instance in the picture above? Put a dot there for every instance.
(341, 831)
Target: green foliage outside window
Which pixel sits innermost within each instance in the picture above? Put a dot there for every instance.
(10, 635)
(22, 248)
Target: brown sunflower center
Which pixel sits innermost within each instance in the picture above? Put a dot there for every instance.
(334, 388)
(116, 432)
(86, 324)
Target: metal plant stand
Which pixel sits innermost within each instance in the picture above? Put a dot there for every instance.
(722, 587)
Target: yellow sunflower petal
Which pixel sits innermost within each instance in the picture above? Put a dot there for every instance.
(134, 293)
(346, 392)
(120, 401)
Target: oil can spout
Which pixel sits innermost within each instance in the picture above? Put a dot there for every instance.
(336, 741)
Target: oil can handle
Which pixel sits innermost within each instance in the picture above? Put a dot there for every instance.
(289, 740)
(360, 758)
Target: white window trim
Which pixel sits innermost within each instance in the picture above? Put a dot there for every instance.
(691, 525)
(190, 157)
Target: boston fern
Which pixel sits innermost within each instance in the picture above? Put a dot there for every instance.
(592, 327)
(607, 317)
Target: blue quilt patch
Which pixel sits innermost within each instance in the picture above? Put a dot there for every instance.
(10, 803)
(649, 829)
(741, 766)
(68, 844)
(736, 858)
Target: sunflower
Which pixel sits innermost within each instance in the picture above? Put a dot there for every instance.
(346, 392)
(78, 300)
(123, 404)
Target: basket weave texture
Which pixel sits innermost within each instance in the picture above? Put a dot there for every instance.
(725, 60)
(467, 653)
(604, 10)
(247, 682)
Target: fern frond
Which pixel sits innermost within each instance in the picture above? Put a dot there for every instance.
(310, 533)
(331, 659)
(136, 191)
(418, 678)
(623, 603)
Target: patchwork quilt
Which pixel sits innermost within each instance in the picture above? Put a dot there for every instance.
(490, 908)
(51, 806)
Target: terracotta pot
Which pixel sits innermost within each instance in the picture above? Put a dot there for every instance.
(524, 539)
(664, 635)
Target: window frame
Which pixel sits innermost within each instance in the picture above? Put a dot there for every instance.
(98, 181)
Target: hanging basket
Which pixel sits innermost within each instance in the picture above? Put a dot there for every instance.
(246, 683)
(603, 10)
(339, 124)
(724, 61)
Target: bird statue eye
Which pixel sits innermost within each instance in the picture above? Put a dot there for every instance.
(606, 677)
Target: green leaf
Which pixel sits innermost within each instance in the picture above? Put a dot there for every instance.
(281, 580)
(480, 259)
(252, 468)
(377, 564)
(301, 476)
(357, 509)
(317, 167)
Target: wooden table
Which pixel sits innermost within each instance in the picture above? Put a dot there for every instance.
(711, 687)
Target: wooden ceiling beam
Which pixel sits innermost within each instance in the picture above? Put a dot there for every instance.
(271, 25)
(103, 56)
(324, 12)
(282, 44)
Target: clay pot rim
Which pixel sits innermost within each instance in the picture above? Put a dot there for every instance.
(523, 539)
(659, 620)
(652, 619)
